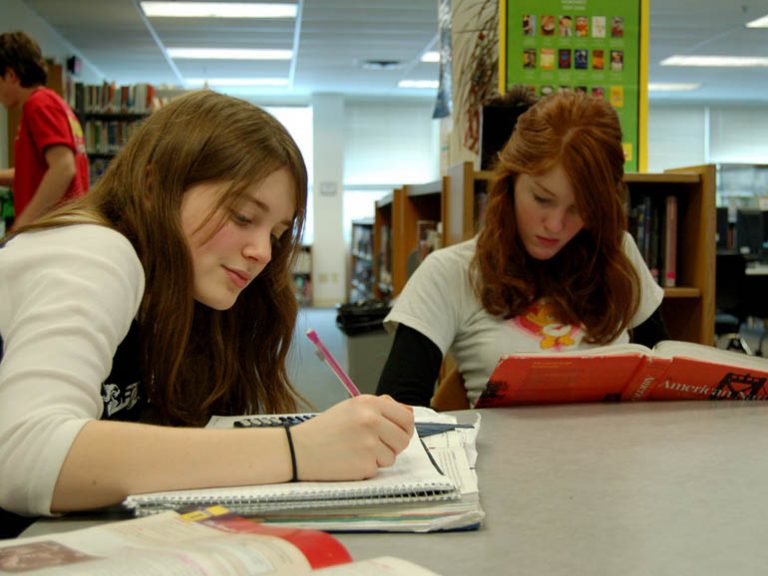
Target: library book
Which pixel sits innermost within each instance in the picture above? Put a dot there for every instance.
(672, 370)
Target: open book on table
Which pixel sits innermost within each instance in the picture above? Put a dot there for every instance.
(210, 541)
(414, 478)
(627, 372)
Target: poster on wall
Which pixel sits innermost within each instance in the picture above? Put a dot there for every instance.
(594, 46)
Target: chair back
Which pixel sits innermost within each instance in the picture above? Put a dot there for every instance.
(451, 393)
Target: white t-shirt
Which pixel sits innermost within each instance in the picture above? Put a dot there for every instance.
(439, 302)
(67, 299)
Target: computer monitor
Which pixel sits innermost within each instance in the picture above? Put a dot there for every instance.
(749, 230)
(722, 228)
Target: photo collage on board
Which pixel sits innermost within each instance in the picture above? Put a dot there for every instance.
(575, 52)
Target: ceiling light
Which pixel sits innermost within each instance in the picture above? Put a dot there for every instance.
(431, 56)
(761, 22)
(432, 84)
(217, 10)
(236, 81)
(671, 87)
(229, 54)
(716, 61)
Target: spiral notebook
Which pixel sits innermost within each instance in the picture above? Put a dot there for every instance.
(413, 478)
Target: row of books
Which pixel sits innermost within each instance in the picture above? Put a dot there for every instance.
(107, 136)
(109, 98)
(653, 224)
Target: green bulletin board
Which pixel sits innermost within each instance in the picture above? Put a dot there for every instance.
(589, 45)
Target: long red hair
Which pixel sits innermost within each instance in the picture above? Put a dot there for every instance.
(590, 281)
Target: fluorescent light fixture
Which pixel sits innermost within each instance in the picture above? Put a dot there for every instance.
(431, 84)
(217, 10)
(229, 54)
(671, 87)
(236, 81)
(761, 22)
(716, 61)
(431, 56)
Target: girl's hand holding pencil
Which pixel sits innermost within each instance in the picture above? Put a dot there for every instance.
(353, 439)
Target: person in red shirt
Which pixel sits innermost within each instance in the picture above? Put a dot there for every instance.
(51, 164)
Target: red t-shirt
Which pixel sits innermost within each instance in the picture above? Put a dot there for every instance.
(46, 120)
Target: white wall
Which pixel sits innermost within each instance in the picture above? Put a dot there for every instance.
(390, 143)
(697, 134)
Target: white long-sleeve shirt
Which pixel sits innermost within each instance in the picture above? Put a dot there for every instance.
(68, 296)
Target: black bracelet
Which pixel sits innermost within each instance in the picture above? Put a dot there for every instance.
(294, 475)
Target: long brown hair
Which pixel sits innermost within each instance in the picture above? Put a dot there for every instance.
(590, 281)
(198, 361)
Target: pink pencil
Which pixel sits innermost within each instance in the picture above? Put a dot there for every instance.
(331, 361)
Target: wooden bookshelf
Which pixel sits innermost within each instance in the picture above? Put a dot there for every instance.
(689, 308)
(396, 222)
(463, 212)
(421, 203)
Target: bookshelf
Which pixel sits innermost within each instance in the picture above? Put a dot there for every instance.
(109, 115)
(302, 276)
(361, 261)
(402, 220)
(688, 308)
(465, 202)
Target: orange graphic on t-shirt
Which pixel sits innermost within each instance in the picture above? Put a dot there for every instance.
(540, 321)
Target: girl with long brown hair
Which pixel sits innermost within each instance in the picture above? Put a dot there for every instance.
(552, 269)
(132, 315)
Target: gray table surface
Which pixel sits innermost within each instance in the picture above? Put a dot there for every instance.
(646, 488)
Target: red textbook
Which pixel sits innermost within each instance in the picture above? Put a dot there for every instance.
(627, 372)
(208, 541)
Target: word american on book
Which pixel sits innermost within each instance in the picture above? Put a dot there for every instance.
(208, 541)
(672, 370)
